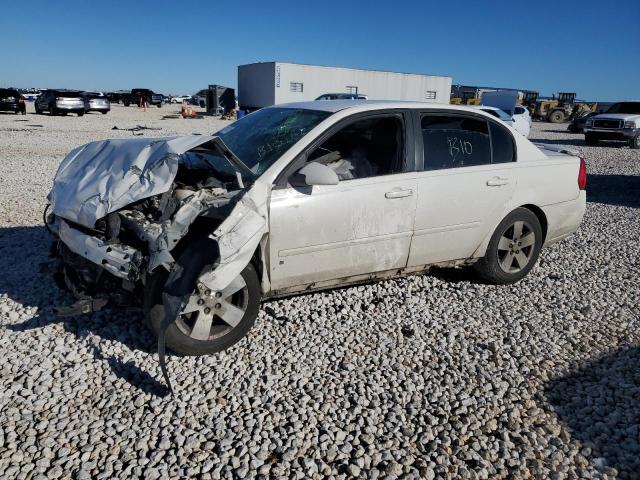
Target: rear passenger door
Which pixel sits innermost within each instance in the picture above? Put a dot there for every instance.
(465, 180)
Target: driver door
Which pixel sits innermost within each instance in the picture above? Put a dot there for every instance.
(360, 226)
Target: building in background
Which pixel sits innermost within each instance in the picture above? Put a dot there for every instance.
(270, 83)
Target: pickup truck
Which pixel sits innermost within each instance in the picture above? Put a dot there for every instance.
(138, 95)
(200, 229)
(620, 122)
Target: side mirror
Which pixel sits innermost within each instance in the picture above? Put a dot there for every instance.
(314, 173)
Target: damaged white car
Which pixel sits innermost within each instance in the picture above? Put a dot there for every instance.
(199, 229)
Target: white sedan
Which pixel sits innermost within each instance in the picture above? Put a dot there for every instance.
(302, 197)
(180, 98)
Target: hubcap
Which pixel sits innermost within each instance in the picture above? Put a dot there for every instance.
(209, 315)
(515, 247)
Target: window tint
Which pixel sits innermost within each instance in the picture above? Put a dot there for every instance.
(519, 110)
(502, 144)
(365, 148)
(454, 141)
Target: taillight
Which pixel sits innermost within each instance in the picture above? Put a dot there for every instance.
(582, 175)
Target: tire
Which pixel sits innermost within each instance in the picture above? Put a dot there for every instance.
(159, 105)
(501, 265)
(634, 143)
(52, 110)
(557, 116)
(178, 335)
(590, 140)
(104, 112)
(38, 111)
(80, 114)
(125, 103)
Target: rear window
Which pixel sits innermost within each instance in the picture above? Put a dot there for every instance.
(68, 94)
(501, 144)
(498, 114)
(8, 92)
(454, 141)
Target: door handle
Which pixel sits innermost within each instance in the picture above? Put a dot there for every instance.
(497, 181)
(399, 193)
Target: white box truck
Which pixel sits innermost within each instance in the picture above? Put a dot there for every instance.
(270, 83)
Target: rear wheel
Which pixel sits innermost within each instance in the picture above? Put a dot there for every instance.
(210, 321)
(590, 140)
(80, 114)
(125, 102)
(53, 110)
(513, 249)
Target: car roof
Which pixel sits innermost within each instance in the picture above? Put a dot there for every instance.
(372, 105)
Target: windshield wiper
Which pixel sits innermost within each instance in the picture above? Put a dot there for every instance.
(241, 169)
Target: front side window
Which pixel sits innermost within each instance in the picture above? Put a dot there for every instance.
(452, 141)
(365, 148)
(259, 139)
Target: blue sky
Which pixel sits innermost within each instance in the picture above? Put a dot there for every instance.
(590, 47)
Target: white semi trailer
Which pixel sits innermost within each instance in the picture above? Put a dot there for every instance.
(270, 83)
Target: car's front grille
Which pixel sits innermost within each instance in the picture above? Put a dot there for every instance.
(607, 123)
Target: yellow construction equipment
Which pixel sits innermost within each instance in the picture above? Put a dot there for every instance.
(562, 108)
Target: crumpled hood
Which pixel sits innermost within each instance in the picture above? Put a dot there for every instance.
(101, 177)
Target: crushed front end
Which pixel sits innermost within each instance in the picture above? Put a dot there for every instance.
(119, 212)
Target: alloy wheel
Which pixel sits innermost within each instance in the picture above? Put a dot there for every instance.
(209, 315)
(516, 247)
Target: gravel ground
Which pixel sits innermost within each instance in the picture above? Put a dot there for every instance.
(435, 376)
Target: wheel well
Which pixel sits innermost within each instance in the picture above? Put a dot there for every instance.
(542, 218)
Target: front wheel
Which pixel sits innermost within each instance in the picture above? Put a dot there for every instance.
(210, 321)
(635, 142)
(513, 249)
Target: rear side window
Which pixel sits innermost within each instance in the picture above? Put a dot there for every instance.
(452, 141)
(502, 144)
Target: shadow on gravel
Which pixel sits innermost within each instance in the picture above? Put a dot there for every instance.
(22, 252)
(600, 403)
(621, 190)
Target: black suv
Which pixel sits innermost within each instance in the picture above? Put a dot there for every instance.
(12, 101)
(138, 95)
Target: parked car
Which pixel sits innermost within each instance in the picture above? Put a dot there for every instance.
(577, 123)
(138, 95)
(518, 123)
(60, 102)
(117, 96)
(96, 102)
(200, 98)
(180, 99)
(12, 101)
(325, 194)
(342, 96)
(620, 122)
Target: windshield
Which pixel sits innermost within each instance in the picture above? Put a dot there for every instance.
(625, 107)
(260, 138)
